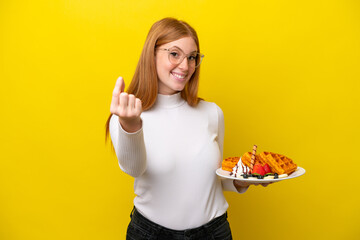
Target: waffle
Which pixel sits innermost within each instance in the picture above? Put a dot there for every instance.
(278, 163)
(229, 163)
(246, 159)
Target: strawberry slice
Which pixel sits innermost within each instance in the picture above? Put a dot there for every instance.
(267, 168)
(258, 169)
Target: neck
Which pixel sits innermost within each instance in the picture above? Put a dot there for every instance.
(169, 101)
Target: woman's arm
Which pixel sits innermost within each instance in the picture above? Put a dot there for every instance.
(228, 184)
(129, 148)
(126, 130)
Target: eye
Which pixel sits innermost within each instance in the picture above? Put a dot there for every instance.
(174, 54)
(192, 58)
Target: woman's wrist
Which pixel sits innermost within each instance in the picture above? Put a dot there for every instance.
(131, 126)
(240, 184)
(241, 187)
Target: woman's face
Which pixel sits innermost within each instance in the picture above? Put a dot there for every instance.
(173, 77)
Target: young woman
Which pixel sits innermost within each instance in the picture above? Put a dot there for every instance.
(171, 141)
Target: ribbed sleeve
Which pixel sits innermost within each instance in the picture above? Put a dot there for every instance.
(227, 184)
(129, 148)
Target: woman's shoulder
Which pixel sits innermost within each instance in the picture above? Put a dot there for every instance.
(210, 106)
(214, 114)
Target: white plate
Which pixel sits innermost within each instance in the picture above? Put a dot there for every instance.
(225, 174)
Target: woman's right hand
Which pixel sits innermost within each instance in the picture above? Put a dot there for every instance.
(127, 107)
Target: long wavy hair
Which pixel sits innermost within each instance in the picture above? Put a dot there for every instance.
(144, 84)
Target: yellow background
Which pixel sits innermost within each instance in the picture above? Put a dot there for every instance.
(285, 73)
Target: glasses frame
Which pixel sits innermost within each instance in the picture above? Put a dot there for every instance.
(185, 55)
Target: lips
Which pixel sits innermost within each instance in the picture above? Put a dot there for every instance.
(178, 76)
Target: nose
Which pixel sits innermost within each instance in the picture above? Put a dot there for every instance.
(184, 64)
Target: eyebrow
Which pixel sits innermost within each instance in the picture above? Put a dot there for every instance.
(195, 51)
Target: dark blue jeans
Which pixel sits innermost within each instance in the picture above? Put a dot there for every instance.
(142, 228)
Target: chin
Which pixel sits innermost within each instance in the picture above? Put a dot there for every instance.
(180, 86)
(179, 89)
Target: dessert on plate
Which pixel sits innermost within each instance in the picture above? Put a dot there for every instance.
(278, 163)
(229, 163)
(266, 165)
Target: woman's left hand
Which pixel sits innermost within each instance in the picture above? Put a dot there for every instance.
(240, 184)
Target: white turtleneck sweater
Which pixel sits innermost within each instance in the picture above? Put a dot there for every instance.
(173, 158)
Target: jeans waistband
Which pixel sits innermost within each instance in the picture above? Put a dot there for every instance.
(149, 225)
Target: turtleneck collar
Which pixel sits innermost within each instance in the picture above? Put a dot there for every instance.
(169, 101)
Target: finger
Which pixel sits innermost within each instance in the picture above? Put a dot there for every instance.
(138, 106)
(241, 184)
(124, 98)
(119, 87)
(131, 102)
(120, 84)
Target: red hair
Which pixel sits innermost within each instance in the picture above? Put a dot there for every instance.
(144, 84)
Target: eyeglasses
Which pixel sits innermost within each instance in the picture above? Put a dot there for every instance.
(176, 56)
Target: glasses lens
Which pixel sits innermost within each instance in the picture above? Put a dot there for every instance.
(199, 58)
(175, 56)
